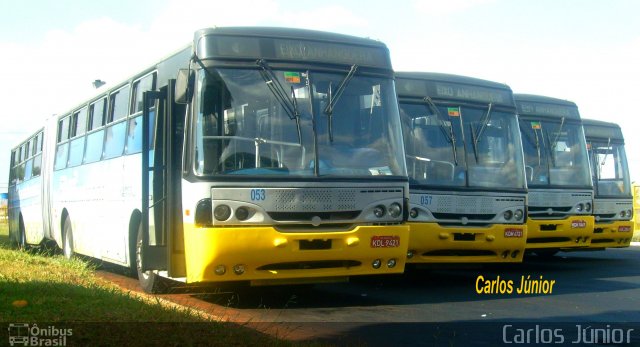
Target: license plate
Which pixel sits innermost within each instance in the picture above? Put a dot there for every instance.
(513, 233)
(385, 241)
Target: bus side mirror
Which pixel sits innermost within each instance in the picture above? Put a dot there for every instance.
(184, 86)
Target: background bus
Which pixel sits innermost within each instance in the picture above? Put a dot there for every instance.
(613, 198)
(559, 181)
(275, 157)
(25, 196)
(466, 170)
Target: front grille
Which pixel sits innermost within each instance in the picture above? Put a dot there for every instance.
(535, 209)
(484, 217)
(307, 216)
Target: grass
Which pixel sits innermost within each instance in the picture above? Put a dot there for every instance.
(47, 289)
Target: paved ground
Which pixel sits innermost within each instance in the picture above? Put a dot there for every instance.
(442, 306)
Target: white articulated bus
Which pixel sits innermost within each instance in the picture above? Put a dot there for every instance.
(265, 155)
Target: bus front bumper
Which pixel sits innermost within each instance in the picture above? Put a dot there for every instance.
(571, 233)
(432, 243)
(262, 254)
(612, 235)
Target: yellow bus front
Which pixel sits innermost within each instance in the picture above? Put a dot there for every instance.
(438, 236)
(289, 235)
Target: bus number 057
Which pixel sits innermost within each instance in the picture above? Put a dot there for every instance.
(425, 200)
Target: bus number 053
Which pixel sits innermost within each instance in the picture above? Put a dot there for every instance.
(258, 195)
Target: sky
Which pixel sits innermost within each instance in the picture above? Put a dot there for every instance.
(586, 51)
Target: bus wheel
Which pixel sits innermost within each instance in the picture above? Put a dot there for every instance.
(67, 242)
(149, 281)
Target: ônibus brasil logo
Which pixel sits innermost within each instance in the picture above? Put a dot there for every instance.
(25, 334)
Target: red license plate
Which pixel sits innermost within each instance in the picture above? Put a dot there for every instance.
(513, 233)
(385, 241)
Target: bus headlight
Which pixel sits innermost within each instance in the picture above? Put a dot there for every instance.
(507, 215)
(242, 213)
(222, 212)
(580, 207)
(629, 213)
(203, 212)
(587, 207)
(413, 213)
(518, 214)
(395, 210)
(378, 211)
(623, 214)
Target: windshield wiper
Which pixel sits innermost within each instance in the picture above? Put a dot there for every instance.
(449, 135)
(328, 110)
(289, 104)
(555, 140)
(476, 134)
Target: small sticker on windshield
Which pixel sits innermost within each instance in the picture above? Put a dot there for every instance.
(453, 111)
(536, 125)
(292, 77)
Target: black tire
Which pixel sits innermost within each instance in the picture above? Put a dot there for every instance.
(67, 239)
(149, 281)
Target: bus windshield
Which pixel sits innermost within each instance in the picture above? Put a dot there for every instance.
(555, 153)
(462, 145)
(277, 122)
(609, 169)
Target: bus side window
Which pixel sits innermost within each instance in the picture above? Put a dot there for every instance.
(78, 128)
(27, 169)
(134, 135)
(96, 114)
(114, 142)
(95, 138)
(134, 129)
(93, 151)
(119, 104)
(116, 133)
(62, 150)
(20, 173)
(37, 165)
(12, 174)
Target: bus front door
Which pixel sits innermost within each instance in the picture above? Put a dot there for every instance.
(161, 225)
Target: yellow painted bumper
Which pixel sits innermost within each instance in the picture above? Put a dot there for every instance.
(573, 232)
(267, 254)
(432, 243)
(609, 235)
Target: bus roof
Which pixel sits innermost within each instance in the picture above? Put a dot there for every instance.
(289, 44)
(449, 86)
(596, 129)
(288, 33)
(538, 105)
